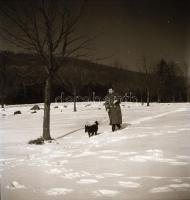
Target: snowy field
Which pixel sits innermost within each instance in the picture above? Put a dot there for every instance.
(149, 159)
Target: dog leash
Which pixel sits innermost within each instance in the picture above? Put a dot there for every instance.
(73, 131)
(76, 130)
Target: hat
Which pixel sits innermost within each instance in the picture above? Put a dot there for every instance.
(110, 90)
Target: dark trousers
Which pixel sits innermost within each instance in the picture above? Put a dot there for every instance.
(114, 125)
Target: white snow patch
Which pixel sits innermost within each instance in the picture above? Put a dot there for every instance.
(161, 189)
(155, 177)
(155, 155)
(183, 157)
(155, 151)
(184, 129)
(181, 185)
(171, 187)
(87, 153)
(135, 177)
(172, 131)
(129, 184)
(139, 158)
(62, 162)
(128, 153)
(58, 154)
(157, 116)
(157, 134)
(142, 135)
(176, 180)
(15, 185)
(178, 163)
(7, 159)
(108, 193)
(113, 174)
(99, 176)
(87, 181)
(58, 191)
(54, 171)
(108, 151)
(108, 157)
(85, 173)
(73, 175)
(181, 109)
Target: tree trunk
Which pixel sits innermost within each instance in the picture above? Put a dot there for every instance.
(148, 98)
(47, 103)
(2, 101)
(141, 98)
(158, 96)
(24, 92)
(75, 106)
(2, 96)
(173, 97)
(188, 94)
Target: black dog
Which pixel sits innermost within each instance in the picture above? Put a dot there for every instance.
(92, 129)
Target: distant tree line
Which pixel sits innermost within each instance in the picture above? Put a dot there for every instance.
(22, 82)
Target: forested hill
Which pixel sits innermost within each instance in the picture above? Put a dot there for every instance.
(22, 80)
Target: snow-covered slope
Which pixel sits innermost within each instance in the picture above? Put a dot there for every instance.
(149, 158)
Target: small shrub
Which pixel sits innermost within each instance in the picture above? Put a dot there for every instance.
(35, 107)
(38, 141)
(18, 112)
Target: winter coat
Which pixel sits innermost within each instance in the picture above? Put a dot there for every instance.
(112, 105)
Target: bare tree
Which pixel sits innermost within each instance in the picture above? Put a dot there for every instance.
(146, 70)
(48, 29)
(3, 76)
(186, 74)
(74, 78)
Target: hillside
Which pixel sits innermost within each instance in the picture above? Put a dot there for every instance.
(22, 80)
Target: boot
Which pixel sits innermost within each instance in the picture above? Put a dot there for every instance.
(119, 126)
(113, 127)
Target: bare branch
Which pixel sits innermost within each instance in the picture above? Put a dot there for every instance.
(18, 22)
(61, 33)
(82, 45)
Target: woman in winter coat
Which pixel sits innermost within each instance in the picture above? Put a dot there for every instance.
(112, 105)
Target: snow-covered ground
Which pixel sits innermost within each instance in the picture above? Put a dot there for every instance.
(149, 159)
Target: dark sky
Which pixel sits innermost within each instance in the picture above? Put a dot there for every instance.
(133, 28)
(130, 29)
